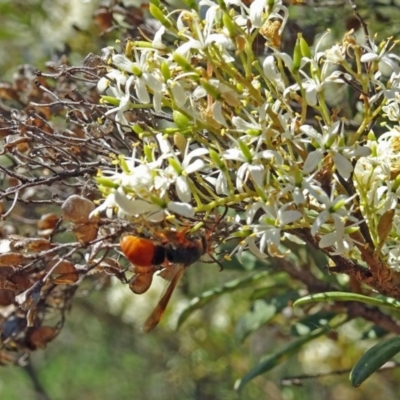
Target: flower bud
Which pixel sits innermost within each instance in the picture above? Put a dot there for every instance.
(245, 150)
(182, 62)
(296, 57)
(159, 15)
(305, 50)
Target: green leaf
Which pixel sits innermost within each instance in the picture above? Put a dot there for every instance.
(192, 4)
(209, 295)
(373, 359)
(387, 302)
(375, 332)
(262, 312)
(265, 291)
(249, 262)
(312, 322)
(288, 351)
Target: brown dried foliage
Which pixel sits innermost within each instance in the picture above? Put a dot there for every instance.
(55, 138)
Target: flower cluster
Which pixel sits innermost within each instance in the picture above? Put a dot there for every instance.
(268, 135)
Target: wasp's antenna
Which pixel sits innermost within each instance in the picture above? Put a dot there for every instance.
(217, 223)
(221, 267)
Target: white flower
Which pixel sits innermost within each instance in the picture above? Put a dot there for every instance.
(254, 125)
(313, 85)
(257, 10)
(181, 171)
(178, 93)
(381, 54)
(184, 209)
(270, 225)
(227, 94)
(107, 205)
(298, 190)
(204, 38)
(338, 238)
(272, 74)
(253, 166)
(142, 78)
(157, 39)
(222, 186)
(257, 14)
(335, 54)
(333, 205)
(248, 243)
(135, 207)
(392, 110)
(150, 211)
(330, 141)
(393, 255)
(124, 104)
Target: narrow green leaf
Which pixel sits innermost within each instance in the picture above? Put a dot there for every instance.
(311, 322)
(374, 332)
(192, 4)
(209, 295)
(262, 312)
(288, 351)
(265, 291)
(373, 359)
(249, 262)
(387, 302)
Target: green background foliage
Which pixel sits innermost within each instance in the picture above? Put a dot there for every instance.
(102, 354)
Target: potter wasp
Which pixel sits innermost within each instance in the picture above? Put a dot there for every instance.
(171, 253)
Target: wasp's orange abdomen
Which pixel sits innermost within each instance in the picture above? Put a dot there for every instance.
(142, 252)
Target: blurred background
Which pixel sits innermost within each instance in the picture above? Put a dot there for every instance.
(101, 352)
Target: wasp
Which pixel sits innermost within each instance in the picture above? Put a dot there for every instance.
(171, 254)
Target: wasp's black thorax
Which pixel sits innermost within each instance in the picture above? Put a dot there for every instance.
(189, 254)
(159, 255)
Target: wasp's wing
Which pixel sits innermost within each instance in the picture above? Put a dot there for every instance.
(142, 279)
(158, 312)
(168, 273)
(140, 283)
